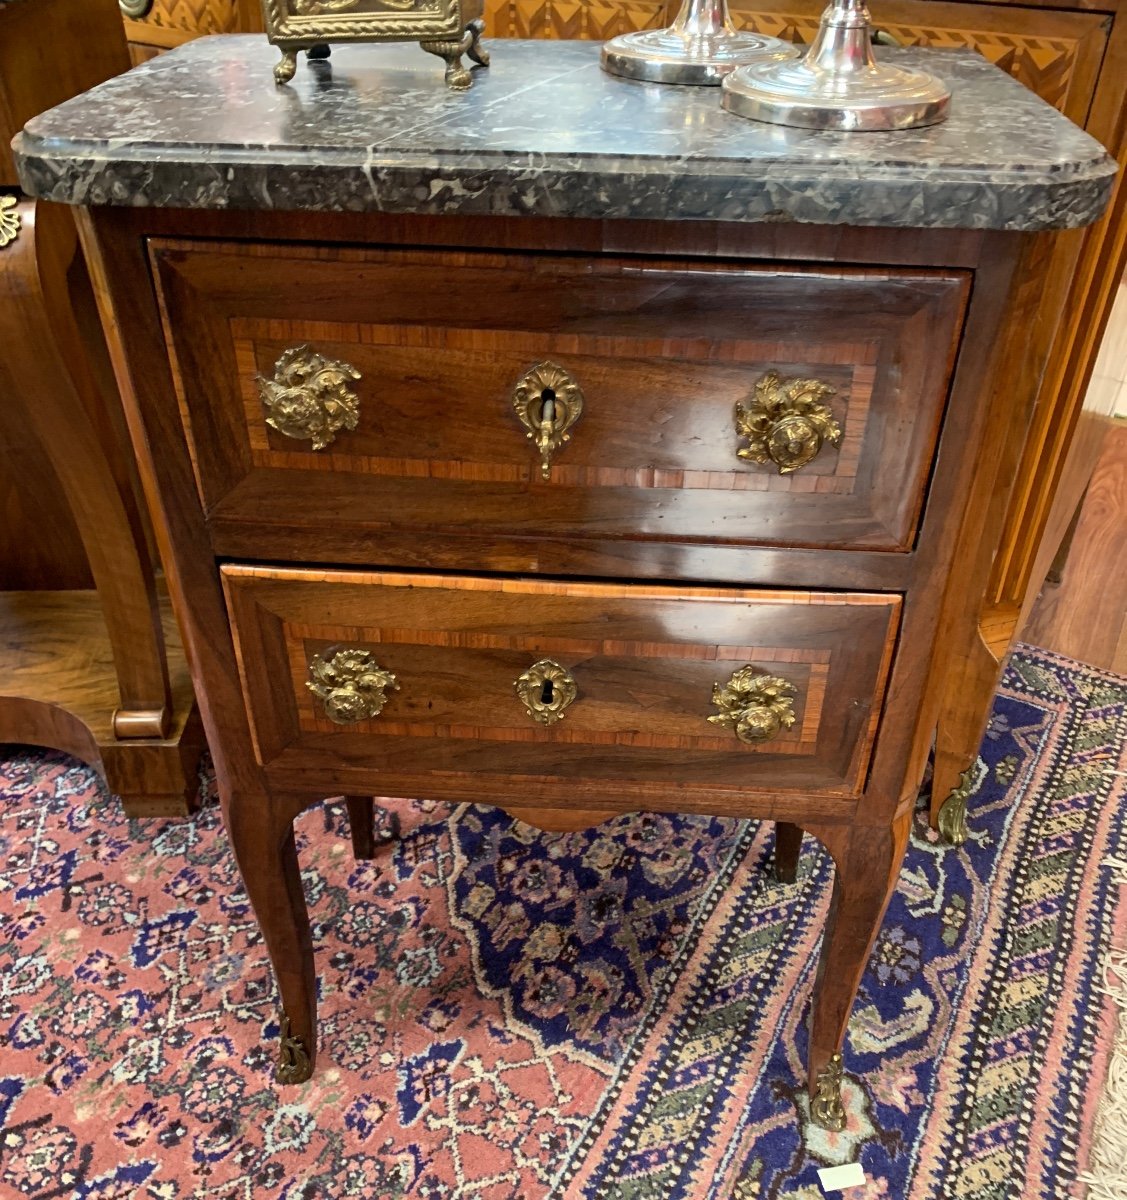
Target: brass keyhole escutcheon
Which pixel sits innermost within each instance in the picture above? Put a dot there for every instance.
(786, 422)
(546, 690)
(547, 401)
(754, 705)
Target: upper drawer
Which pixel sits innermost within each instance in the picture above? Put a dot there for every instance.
(549, 692)
(368, 390)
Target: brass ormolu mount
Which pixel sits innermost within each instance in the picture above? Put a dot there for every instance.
(293, 1064)
(447, 28)
(351, 685)
(548, 401)
(309, 397)
(826, 1105)
(546, 690)
(786, 422)
(754, 705)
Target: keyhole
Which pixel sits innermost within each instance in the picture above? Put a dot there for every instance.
(546, 692)
(548, 406)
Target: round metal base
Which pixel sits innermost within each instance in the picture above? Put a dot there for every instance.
(668, 56)
(875, 98)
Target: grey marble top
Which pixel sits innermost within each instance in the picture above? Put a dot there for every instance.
(545, 131)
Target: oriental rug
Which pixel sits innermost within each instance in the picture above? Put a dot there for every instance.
(616, 1014)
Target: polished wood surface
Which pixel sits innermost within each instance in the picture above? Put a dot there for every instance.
(66, 436)
(663, 352)
(51, 366)
(39, 68)
(865, 831)
(1085, 615)
(645, 660)
(60, 691)
(36, 72)
(149, 754)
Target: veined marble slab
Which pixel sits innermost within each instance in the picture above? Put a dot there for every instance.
(545, 131)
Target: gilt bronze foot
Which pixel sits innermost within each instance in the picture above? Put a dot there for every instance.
(826, 1107)
(294, 1065)
(285, 69)
(457, 75)
(953, 815)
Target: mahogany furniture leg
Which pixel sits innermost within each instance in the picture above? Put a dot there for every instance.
(867, 862)
(368, 835)
(262, 838)
(361, 824)
(788, 843)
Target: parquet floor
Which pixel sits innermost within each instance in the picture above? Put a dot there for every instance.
(1085, 615)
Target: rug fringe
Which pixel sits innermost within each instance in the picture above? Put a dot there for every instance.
(1107, 1179)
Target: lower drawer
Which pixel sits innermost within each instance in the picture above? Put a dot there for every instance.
(501, 689)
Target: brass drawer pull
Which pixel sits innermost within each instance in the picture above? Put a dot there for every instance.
(786, 422)
(756, 706)
(548, 402)
(351, 685)
(309, 397)
(546, 689)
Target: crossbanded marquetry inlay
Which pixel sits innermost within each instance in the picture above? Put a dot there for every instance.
(851, 366)
(807, 668)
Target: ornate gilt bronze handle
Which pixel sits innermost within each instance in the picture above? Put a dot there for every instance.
(351, 685)
(546, 689)
(9, 220)
(755, 705)
(786, 422)
(548, 402)
(309, 397)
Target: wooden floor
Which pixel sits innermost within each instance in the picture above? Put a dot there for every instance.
(1085, 615)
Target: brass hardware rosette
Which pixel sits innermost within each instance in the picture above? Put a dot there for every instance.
(309, 397)
(787, 422)
(548, 402)
(754, 705)
(351, 685)
(546, 690)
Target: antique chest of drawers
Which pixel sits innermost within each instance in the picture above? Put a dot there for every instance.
(606, 459)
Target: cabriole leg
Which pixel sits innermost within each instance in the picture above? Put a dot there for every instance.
(867, 862)
(263, 843)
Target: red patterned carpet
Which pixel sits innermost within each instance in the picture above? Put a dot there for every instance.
(511, 1015)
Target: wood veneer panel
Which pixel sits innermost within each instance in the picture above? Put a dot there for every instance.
(1085, 616)
(663, 351)
(645, 660)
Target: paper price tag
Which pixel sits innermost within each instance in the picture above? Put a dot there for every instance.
(836, 1179)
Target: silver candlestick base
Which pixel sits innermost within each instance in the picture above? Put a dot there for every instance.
(838, 84)
(700, 47)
